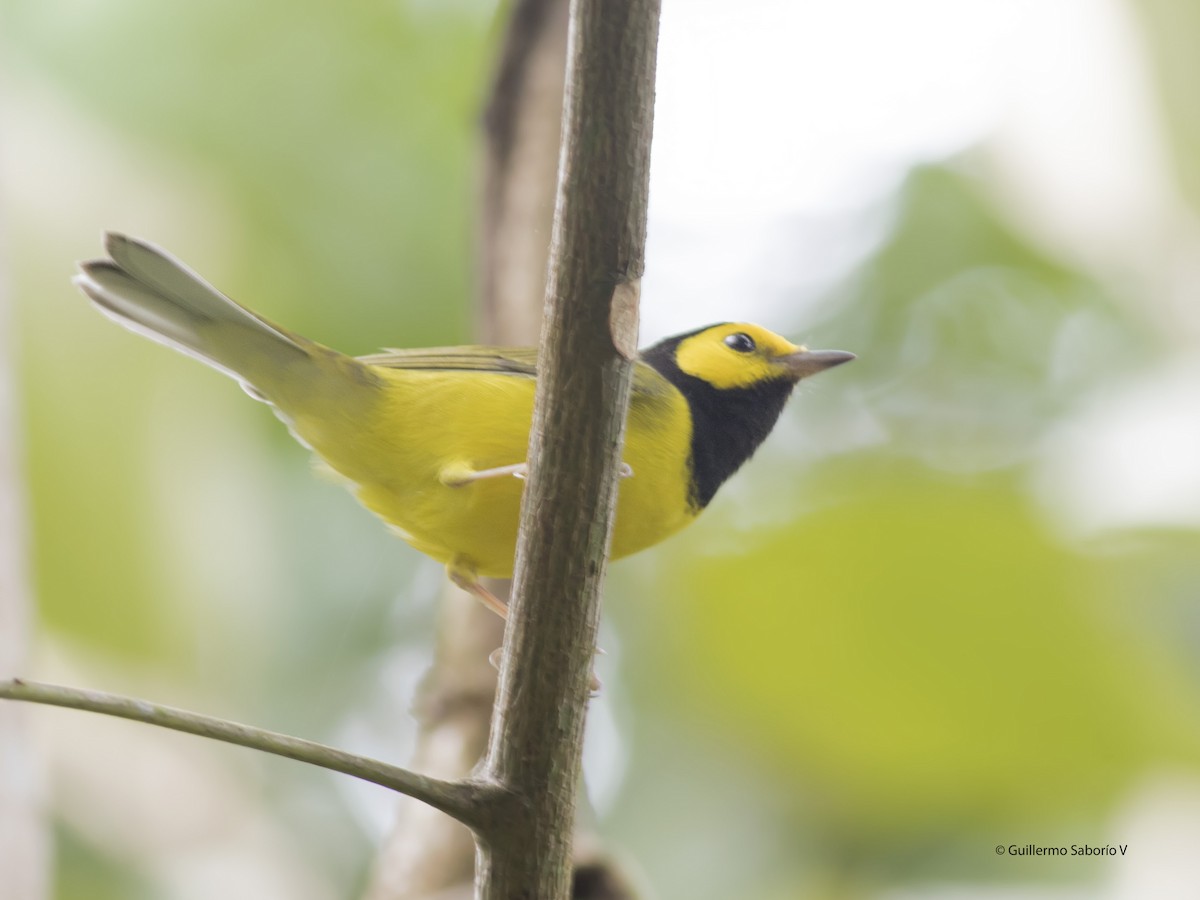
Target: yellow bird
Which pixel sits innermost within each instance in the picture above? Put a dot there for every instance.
(434, 440)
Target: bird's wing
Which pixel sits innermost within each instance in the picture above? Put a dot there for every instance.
(647, 383)
(500, 360)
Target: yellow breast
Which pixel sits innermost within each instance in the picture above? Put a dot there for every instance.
(426, 422)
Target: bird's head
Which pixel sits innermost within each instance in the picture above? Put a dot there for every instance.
(741, 355)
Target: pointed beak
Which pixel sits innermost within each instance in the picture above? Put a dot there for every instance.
(809, 362)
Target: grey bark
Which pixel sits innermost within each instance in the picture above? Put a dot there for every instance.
(585, 372)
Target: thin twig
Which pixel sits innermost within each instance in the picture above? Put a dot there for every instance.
(464, 800)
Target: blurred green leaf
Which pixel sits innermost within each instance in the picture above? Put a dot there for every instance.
(341, 135)
(921, 655)
(86, 875)
(970, 340)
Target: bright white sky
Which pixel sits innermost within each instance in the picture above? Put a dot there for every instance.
(772, 114)
(778, 106)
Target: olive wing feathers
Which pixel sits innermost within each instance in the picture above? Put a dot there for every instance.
(496, 360)
(499, 360)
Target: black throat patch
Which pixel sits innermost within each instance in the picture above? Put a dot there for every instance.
(728, 424)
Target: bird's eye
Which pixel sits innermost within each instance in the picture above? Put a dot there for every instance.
(741, 342)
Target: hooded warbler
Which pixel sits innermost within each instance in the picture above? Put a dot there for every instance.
(430, 439)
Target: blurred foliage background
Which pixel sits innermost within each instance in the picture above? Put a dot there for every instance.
(953, 603)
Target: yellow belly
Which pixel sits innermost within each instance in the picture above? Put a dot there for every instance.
(426, 421)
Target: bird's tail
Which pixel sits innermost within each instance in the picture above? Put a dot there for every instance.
(152, 293)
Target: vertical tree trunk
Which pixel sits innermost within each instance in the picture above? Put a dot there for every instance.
(522, 124)
(585, 369)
